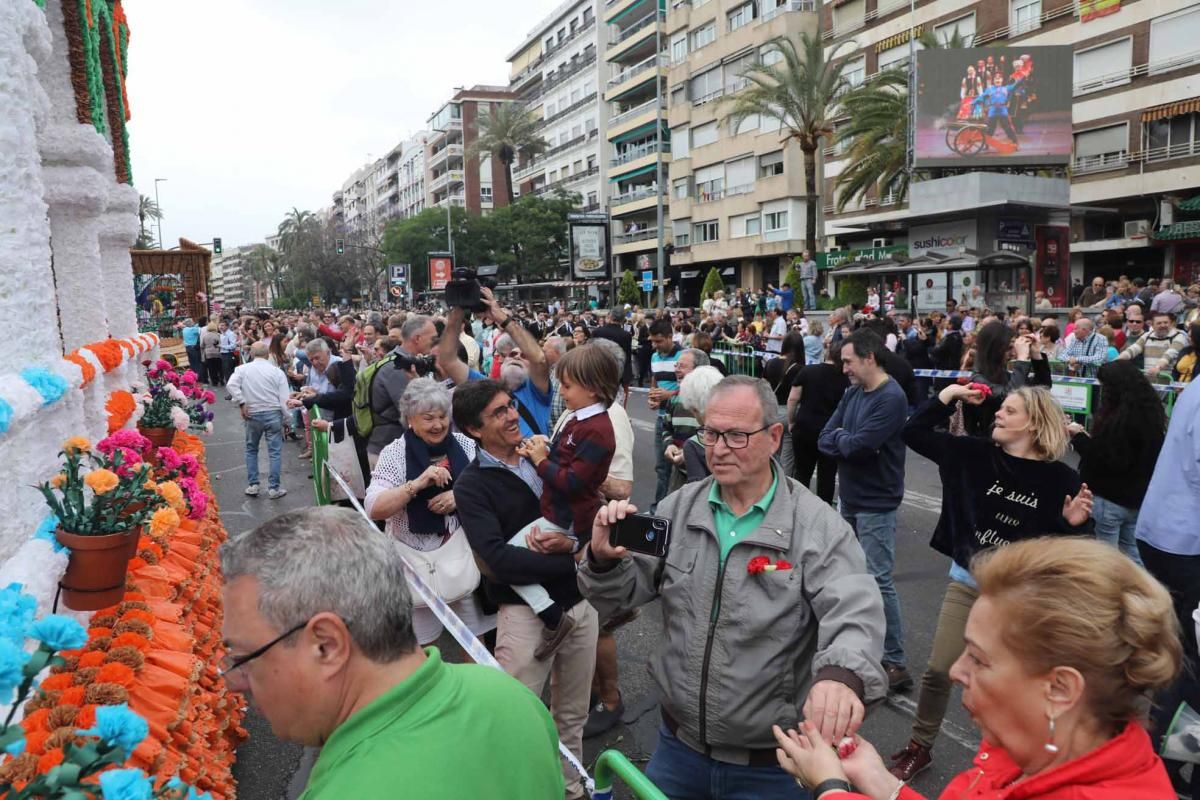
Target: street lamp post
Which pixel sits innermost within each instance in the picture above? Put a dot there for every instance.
(658, 140)
(157, 181)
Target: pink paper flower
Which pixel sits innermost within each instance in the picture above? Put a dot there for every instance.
(189, 378)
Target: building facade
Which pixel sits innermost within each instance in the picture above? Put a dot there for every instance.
(479, 185)
(1136, 125)
(230, 282)
(737, 193)
(557, 74)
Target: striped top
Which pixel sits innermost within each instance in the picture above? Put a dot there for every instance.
(662, 368)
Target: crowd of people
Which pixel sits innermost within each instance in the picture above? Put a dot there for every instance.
(494, 451)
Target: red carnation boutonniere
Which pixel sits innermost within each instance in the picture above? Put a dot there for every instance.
(763, 564)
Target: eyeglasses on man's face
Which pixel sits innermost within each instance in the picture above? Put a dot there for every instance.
(500, 412)
(734, 440)
(230, 662)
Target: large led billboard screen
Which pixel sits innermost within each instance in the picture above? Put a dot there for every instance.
(993, 107)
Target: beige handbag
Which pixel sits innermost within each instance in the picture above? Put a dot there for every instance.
(450, 570)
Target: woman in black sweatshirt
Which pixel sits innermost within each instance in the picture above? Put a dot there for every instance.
(1118, 458)
(994, 491)
(995, 344)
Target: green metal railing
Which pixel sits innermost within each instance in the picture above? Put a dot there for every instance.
(613, 763)
(739, 359)
(320, 454)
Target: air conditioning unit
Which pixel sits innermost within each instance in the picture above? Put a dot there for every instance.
(1137, 228)
(881, 243)
(833, 248)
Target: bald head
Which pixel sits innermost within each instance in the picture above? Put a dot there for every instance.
(259, 350)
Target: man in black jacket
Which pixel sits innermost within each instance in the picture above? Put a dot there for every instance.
(947, 354)
(496, 496)
(614, 331)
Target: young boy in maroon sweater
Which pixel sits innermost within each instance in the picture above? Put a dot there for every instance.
(572, 469)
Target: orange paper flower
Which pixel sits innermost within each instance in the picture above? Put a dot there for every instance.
(76, 444)
(58, 480)
(163, 522)
(50, 760)
(115, 672)
(170, 491)
(101, 481)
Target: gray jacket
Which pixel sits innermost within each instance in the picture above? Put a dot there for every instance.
(740, 651)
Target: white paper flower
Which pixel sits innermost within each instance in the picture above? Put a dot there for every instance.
(179, 418)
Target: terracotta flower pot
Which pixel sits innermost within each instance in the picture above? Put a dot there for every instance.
(95, 576)
(159, 437)
(134, 535)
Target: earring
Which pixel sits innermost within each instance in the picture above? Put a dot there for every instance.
(1050, 746)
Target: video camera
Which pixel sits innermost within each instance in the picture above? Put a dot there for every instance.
(463, 288)
(422, 365)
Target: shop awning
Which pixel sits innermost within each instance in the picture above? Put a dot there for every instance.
(898, 39)
(1191, 204)
(1171, 109)
(625, 13)
(636, 133)
(621, 176)
(1178, 232)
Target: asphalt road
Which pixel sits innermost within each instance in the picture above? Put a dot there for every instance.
(268, 769)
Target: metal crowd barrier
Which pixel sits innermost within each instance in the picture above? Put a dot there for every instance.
(740, 359)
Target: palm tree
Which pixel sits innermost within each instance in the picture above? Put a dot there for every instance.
(147, 209)
(510, 129)
(266, 266)
(876, 136)
(800, 91)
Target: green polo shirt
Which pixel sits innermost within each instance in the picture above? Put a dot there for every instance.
(731, 529)
(447, 732)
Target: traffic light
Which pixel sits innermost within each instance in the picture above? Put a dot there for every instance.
(339, 245)
(217, 245)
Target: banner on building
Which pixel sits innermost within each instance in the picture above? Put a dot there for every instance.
(1094, 9)
(588, 235)
(441, 265)
(1053, 266)
(993, 106)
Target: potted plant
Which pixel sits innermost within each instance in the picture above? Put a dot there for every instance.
(163, 404)
(99, 510)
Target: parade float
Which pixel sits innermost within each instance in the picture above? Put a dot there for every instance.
(108, 681)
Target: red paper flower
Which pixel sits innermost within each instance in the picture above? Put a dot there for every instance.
(782, 564)
(982, 388)
(757, 564)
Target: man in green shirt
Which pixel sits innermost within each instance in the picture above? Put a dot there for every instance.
(318, 629)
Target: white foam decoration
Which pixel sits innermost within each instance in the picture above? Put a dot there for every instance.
(24, 399)
(38, 568)
(69, 370)
(93, 359)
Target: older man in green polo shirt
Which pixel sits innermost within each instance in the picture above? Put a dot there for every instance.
(769, 613)
(318, 627)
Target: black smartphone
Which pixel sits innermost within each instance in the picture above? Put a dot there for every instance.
(642, 533)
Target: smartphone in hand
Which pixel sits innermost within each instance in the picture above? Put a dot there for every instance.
(642, 533)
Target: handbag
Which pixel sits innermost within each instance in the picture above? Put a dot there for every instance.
(450, 570)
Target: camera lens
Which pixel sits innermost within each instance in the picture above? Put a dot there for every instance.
(650, 536)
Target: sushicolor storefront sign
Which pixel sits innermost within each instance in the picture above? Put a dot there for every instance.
(944, 237)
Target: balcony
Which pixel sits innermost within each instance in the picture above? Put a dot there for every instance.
(637, 69)
(634, 34)
(641, 235)
(574, 178)
(447, 178)
(633, 195)
(578, 105)
(453, 200)
(565, 72)
(449, 151)
(526, 72)
(586, 26)
(1011, 31)
(713, 195)
(790, 5)
(634, 153)
(634, 114)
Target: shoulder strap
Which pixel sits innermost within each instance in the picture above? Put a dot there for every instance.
(527, 415)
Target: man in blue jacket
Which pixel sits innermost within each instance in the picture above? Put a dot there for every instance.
(864, 436)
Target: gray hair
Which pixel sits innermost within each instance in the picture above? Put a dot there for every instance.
(423, 395)
(317, 345)
(259, 350)
(505, 343)
(413, 325)
(699, 357)
(305, 333)
(328, 559)
(610, 347)
(559, 343)
(697, 386)
(771, 412)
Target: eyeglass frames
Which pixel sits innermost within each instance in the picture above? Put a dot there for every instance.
(229, 665)
(734, 440)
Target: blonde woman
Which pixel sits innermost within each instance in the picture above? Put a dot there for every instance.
(994, 492)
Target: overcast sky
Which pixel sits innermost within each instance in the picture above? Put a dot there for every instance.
(250, 107)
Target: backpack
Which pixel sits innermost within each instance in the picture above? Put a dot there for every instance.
(364, 417)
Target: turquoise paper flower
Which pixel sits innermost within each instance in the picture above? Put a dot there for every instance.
(16, 613)
(6, 415)
(119, 727)
(15, 748)
(46, 531)
(59, 633)
(12, 666)
(125, 784)
(49, 385)
(177, 785)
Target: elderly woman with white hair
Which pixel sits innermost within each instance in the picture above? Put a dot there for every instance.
(412, 488)
(694, 391)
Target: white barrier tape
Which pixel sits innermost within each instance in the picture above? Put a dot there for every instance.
(458, 629)
(958, 373)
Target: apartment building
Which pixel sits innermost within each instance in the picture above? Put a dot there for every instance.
(557, 74)
(354, 205)
(230, 283)
(736, 194)
(1136, 123)
(479, 185)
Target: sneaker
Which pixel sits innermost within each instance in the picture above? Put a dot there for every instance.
(553, 638)
(275, 494)
(252, 490)
(307, 453)
(910, 761)
(601, 719)
(898, 678)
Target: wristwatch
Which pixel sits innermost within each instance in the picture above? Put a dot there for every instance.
(832, 784)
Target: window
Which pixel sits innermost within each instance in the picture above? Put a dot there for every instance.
(703, 35)
(775, 220)
(744, 225)
(739, 175)
(704, 134)
(574, 26)
(748, 125)
(753, 224)
(588, 16)
(576, 96)
(771, 164)
(679, 142)
(734, 69)
(1101, 148)
(963, 26)
(679, 188)
(849, 15)
(592, 201)
(895, 57)
(679, 48)
(706, 86)
(1173, 40)
(705, 231)
(549, 45)
(576, 132)
(710, 182)
(577, 167)
(1172, 137)
(679, 95)
(854, 70)
(741, 16)
(768, 123)
(562, 34)
(591, 163)
(551, 109)
(552, 177)
(682, 228)
(769, 55)
(1024, 16)
(485, 194)
(1101, 67)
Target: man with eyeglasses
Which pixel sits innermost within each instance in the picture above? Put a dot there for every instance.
(863, 435)
(1094, 294)
(318, 633)
(769, 613)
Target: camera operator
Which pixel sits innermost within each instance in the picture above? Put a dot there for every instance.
(524, 371)
(408, 360)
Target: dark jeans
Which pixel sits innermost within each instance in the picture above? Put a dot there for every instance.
(195, 362)
(228, 365)
(683, 774)
(215, 370)
(808, 458)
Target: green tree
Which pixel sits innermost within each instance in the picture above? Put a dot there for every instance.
(792, 278)
(712, 284)
(531, 236)
(876, 136)
(266, 266)
(628, 290)
(508, 130)
(147, 209)
(800, 91)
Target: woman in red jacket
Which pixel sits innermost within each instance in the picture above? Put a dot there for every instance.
(1063, 647)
